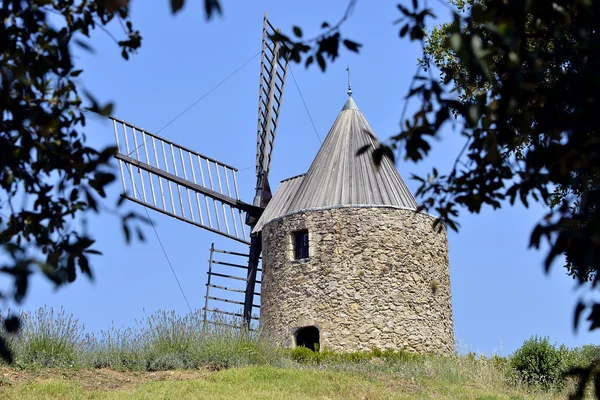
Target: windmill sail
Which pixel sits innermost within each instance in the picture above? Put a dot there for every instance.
(273, 72)
(225, 286)
(199, 190)
(180, 182)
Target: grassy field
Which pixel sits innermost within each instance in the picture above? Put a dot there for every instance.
(167, 356)
(256, 382)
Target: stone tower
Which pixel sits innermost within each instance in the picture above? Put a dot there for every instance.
(347, 263)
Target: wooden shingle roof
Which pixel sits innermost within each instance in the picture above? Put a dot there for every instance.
(338, 177)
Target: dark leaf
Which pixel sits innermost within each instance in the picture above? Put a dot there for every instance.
(417, 178)
(352, 46)
(404, 30)
(380, 152)
(321, 62)
(84, 45)
(279, 37)
(404, 10)
(578, 309)
(594, 317)
(309, 60)
(92, 204)
(417, 33)
(212, 6)
(84, 266)
(377, 156)
(92, 251)
(5, 353)
(70, 269)
(21, 283)
(176, 5)
(364, 149)
(140, 234)
(297, 31)
(12, 324)
(126, 232)
(106, 110)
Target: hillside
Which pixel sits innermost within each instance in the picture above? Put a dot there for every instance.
(257, 382)
(170, 356)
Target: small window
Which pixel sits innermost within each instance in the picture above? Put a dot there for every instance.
(300, 245)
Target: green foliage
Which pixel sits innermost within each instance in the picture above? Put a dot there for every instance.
(304, 355)
(265, 382)
(528, 86)
(586, 355)
(48, 339)
(514, 76)
(322, 48)
(166, 341)
(49, 177)
(162, 341)
(540, 362)
(521, 71)
(528, 136)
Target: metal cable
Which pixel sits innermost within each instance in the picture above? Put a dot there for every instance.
(164, 251)
(200, 98)
(305, 106)
(209, 92)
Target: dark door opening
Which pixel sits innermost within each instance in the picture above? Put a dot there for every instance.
(308, 337)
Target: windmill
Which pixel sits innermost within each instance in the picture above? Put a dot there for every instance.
(191, 187)
(348, 263)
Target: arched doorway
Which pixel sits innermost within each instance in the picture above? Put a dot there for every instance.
(308, 336)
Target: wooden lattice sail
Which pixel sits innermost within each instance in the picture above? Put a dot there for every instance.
(191, 187)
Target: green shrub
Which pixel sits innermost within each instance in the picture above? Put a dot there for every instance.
(538, 361)
(585, 355)
(170, 341)
(119, 349)
(401, 356)
(355, 356)
(49, 339)
(377, 352)
(304, 355)
(499, 362)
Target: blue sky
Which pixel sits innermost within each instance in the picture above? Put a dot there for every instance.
(500, 294)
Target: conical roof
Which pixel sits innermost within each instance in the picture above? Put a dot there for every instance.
(338, 177)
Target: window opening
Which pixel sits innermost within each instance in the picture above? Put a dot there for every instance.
(308, 337)
(301, 245)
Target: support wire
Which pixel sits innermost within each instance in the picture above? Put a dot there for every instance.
(305, 106)
(166, 255)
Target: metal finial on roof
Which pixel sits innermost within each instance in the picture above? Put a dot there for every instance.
(349, 87)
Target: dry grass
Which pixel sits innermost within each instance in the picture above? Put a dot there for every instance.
(92, 379)
(259, 382)
(171, 356)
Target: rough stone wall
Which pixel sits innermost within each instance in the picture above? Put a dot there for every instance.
(376, 278)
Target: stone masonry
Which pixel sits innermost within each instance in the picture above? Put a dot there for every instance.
(376, 277)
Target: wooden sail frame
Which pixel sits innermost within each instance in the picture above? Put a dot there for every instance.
(184, 184)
